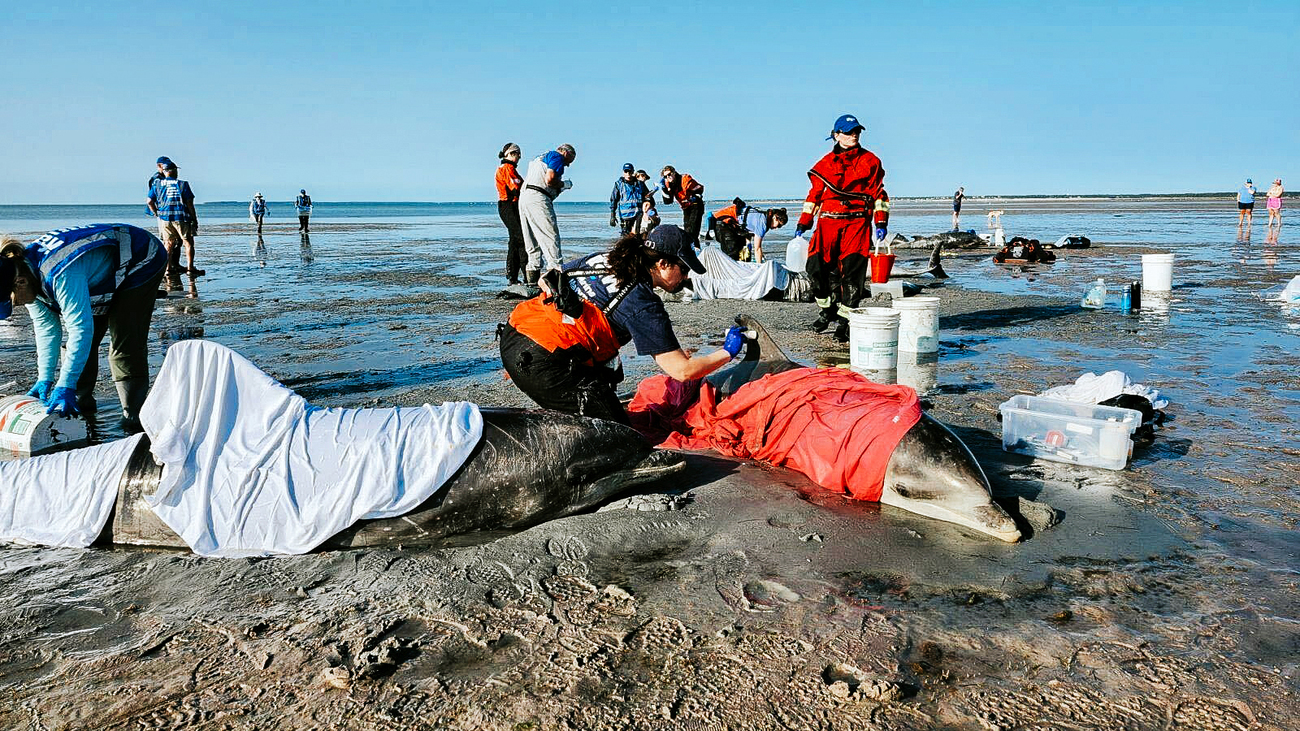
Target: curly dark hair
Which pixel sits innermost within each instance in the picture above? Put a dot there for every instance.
(632, 260)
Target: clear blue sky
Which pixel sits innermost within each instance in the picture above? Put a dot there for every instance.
(400, 101)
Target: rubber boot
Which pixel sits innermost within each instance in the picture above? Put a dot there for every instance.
(86, 399)
(842, 331)
(132, 392)
(823, 321)
(531, 277)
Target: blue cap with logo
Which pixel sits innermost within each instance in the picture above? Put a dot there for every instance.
(846, 124)
(627, 167)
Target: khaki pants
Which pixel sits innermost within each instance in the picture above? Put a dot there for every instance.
(173, 235)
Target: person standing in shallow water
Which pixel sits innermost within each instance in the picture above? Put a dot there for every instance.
(303, 204)
(257, 211)
(509, 183)
(956, 206)
(172, 201)
(1245, 204)
(1274, 194)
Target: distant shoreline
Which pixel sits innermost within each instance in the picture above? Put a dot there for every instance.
(1044, 197)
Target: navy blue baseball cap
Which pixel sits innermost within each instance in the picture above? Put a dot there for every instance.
(165, 161)
(847, 124)
(628, 167)
(671, 240)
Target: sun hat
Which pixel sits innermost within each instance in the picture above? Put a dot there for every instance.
(671, 240)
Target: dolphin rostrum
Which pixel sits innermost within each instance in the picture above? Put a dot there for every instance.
(931, 472)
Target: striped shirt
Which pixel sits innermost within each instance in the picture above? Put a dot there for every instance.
(170, 195)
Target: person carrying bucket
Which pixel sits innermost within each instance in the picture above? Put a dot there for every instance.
(848, 198)
(83, 282)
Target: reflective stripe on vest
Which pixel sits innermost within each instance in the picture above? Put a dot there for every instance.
(59, 248)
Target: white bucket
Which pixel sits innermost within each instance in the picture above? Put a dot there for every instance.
(921, 374)
(796, 254)
(26, 429)
(873, 339)
(918, 324)
(1157, 273)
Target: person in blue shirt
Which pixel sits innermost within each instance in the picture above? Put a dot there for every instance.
(543, 182)
(158, 174)
(1245, 204)
(81, 283)
(172, 201)
(257, 211)
(303, 204)
(625, 200)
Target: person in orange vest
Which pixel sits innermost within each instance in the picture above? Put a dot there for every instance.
(561, 348)
(688, 192)
(848, 198)
(740, 229)
(509, 183)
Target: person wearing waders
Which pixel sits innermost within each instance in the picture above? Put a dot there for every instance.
(689, 193)
(257, 212)
(79, 283)
(542, 183)
(625, 200)
(508, 186)
(847, 197)
(303, 204)
(561, 348)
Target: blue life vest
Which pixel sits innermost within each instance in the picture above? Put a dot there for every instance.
(140, 256)
(627, 197)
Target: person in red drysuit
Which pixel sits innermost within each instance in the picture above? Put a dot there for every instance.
(848, 196)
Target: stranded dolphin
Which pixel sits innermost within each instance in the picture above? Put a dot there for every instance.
(931, 472)
(529, 467)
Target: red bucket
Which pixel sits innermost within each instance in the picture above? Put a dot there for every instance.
(881, 265)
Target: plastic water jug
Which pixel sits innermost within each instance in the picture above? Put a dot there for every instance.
(1095, 299)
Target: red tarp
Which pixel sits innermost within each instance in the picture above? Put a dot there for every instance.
(831, 424)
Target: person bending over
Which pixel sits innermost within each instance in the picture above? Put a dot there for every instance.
(82, 282)
(561, 348)
(740, 229)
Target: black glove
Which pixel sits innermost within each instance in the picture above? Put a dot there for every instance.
(613, 221)
(562, 295)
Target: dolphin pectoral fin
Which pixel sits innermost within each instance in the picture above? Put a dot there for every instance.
(986, 518)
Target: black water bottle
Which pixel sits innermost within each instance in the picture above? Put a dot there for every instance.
(1135, 295)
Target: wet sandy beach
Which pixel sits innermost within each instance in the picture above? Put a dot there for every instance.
(739, 596)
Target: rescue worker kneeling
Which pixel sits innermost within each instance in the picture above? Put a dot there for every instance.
(561, 347)
(83, 282)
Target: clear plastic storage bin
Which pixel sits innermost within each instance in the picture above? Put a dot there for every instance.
(1065, 431)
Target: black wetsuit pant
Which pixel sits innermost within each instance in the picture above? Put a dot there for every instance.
(692, 219)
(516, 255)
(625, 225)
(560, 380)
(731, 238)
(302, 223)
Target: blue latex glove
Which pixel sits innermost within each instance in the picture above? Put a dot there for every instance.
(799, 230)
(63, 401)
(41, 391)
(881, 232)
(735, 341)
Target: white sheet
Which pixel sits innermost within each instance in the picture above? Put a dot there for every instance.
(731, 279)
(1091, 388)
(251, 469)
(62, 499)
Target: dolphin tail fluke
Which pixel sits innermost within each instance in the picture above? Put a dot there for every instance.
(936, 266)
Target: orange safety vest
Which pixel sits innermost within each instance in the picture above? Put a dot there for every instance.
(545, 325)
(728, 212)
